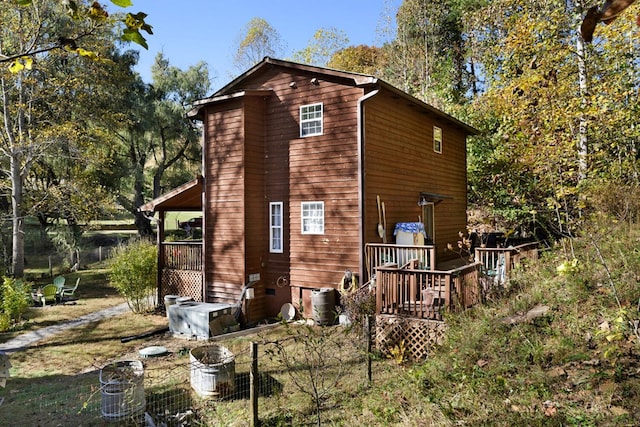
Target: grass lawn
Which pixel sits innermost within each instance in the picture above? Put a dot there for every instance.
(66, 368)
(94, 293)
(56, 381)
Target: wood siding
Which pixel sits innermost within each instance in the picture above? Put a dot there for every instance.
(224, 209)
(256, 220)
(317, 168)
(400, 163)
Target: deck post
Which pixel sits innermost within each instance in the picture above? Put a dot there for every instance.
(447, 291)
(379, 290)
(159, 240)
(507, 262)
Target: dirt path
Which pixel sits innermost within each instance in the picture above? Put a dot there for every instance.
(23, 341)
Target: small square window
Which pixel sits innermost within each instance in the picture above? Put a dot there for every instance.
(437, 139)
(312, 217)
(311, 120)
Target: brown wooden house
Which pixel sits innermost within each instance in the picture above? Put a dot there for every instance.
(294, 159)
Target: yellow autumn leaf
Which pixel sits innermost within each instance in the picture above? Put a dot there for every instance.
(87, 53)
(15, 67)
(20, 64)
(28, 62)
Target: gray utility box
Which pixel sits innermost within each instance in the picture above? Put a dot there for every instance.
(193, 319)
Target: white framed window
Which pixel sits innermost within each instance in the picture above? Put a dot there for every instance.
(275, 227)
(437, 139)
(311, 120)
(312, 214)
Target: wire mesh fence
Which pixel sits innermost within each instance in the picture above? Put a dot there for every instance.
(287, 376)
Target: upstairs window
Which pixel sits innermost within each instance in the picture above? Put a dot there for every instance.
(437, 139)
(275, 227)
(311, 120)
(312, 217)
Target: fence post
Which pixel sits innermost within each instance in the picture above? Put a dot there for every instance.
(253, 385)
(367, 335)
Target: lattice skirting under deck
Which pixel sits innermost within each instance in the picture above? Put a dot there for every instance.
(420, 335)
(185, 283)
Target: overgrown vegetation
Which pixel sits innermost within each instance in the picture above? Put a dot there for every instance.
(15, 299)
(133, 273)
(356, 305)
(574, 365)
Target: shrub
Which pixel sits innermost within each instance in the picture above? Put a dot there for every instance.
(133, 273)
(357, 305)
(14, 302)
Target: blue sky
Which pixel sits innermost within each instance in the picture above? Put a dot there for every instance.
(189, 31)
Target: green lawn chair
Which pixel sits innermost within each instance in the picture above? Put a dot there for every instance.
(49, 294)
(59, 283)
(69, 293)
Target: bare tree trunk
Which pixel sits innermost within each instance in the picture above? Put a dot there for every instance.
(17, 262)
(142, 223)
(582, 127)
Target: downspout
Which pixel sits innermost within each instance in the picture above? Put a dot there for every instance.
(361, 181)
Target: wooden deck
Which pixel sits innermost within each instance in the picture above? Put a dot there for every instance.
(499, 262)
(414, 291)
(426, 294)
(378, 254)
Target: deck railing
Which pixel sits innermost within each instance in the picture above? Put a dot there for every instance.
(426, 293)
(181, 255)
(379, 254)
(499, 262)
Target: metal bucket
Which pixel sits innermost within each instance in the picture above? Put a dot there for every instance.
(323, 306)
(122, 389)
(170, 300)
(213, 371)
(184, 300)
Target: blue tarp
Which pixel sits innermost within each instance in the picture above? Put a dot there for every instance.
(410, 227)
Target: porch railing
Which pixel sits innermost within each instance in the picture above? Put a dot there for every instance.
(426, 293)
(499, 262)
(181, 255)
(379, 254)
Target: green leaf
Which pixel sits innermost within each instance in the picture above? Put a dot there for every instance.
(23, 2)
(122, 3)
(134, 36)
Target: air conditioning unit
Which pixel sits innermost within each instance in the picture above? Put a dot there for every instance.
(199, 320)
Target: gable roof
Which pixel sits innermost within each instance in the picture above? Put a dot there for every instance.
(356, 78)
(188, 196)
(235, 87)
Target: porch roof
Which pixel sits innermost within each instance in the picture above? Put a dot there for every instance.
(187, 197)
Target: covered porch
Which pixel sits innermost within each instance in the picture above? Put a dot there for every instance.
(180, 263)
